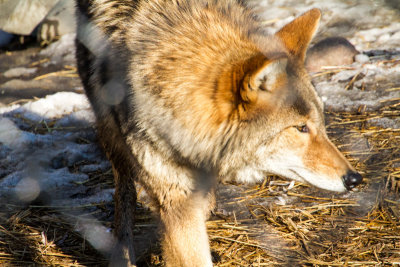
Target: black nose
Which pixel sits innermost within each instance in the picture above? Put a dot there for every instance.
(352, 179)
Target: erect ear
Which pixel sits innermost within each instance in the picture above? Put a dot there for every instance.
(268, 77)
(297, 35)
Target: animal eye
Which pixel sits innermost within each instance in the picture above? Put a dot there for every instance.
(303, 128)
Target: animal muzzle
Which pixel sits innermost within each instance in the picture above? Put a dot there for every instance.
(351, 179)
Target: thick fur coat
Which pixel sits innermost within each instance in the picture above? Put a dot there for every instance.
(191, 92)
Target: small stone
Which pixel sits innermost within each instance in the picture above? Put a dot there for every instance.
(361, 58)
(332, 51)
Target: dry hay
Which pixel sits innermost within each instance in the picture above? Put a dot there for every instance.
(303, 226)
(275, 223)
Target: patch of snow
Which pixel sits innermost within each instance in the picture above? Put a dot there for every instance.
(344, 76)
(37, 164)
(384, 37)
(54, 106)
(10, 134)
(63, 50)
(17, 72)
(103, 166)
(366, 84)
(336, 98)
(78, 118)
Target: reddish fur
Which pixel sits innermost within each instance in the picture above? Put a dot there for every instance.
(196, 106)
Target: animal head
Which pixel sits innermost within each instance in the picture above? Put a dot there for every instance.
(282, 118)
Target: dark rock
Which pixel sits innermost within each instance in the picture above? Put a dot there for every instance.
(332, 51)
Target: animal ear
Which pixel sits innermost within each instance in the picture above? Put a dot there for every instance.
(297, 35)
(268, 77)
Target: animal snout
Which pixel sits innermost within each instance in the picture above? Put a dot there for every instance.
(351, 179)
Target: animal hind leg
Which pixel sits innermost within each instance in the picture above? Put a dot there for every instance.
(125, 206)
(124, 169)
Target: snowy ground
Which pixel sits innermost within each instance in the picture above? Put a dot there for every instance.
(48, 146)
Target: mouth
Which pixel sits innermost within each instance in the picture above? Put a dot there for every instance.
(296, 176)
(336, 185)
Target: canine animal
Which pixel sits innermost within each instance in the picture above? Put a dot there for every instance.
(191, 92)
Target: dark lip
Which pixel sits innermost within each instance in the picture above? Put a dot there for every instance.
(348, 188)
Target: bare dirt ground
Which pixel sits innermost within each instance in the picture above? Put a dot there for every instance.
(56, 186)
